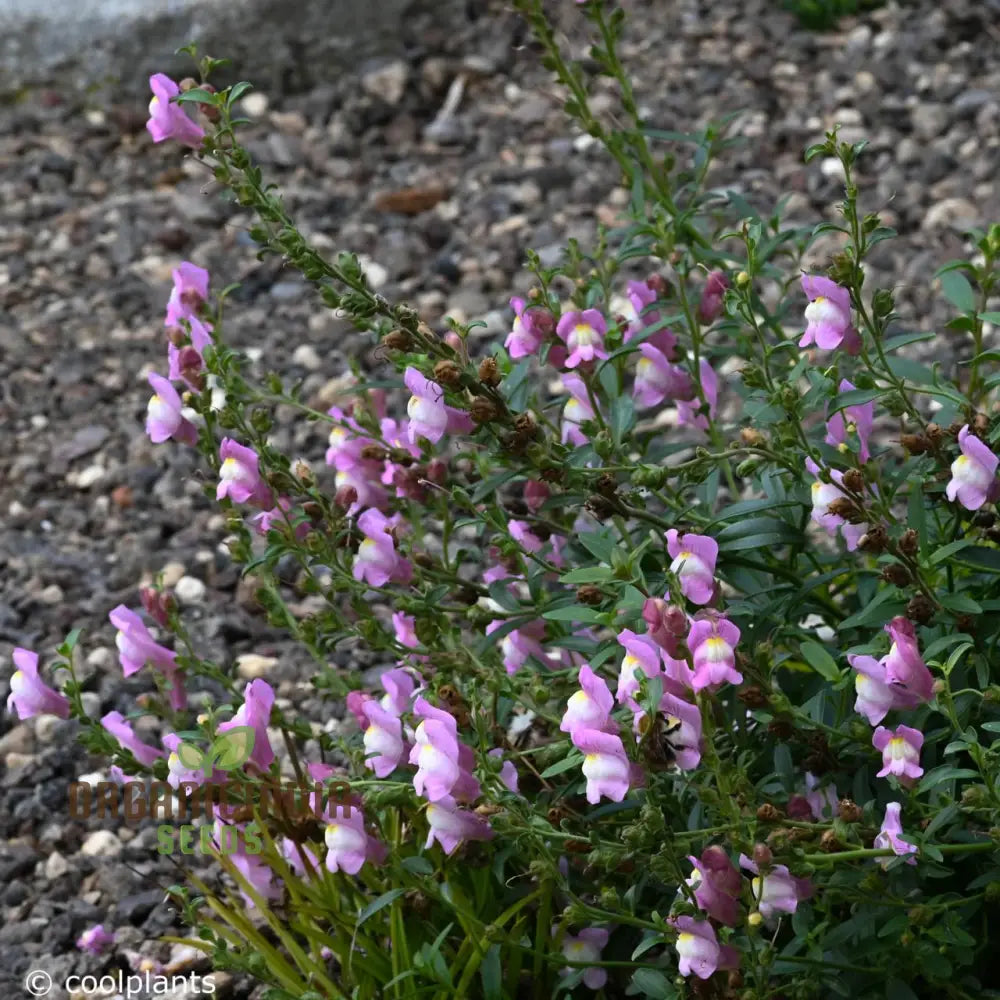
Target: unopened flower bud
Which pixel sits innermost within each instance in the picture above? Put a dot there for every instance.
(742, 279)
(589, 594)
(762, 855)
(489, 372)
(754, 920)
(447, 373)
(483, 410)
(398, 340)
(346, 497)
(798, 808)
(920, 609)
(437, 471)
(659, 284)
(849, 811)
(158, 604)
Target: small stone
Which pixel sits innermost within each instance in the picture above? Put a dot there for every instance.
(832, 167)
(101, 844)
(19, 739)
(255, 105)
(121, 496)
(91, 704)
(52, 595)
(55, 866)
(190, 590)
(307, 356)
(252, 665)
(101, 658)
(953, 213)
(46, 727)
(376, 274)
(90, 476)
(171, 573)
(386, 81)
(14, 761)
(930, 120)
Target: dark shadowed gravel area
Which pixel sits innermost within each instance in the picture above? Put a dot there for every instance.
(93, 218)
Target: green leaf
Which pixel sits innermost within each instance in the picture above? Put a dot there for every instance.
(198, 96)
(492, 972)
(944, 773)
(961, 604)
(990, 317)
(418, 865)
(905, 339)
(653, 984)
(588, 574)
(598, 543)
(856, 397)
(947, 550)
(958, 291)
(566, 764)
(386, 899)
(232, 748)
(820, 660)
(762, 541)
(573, 613)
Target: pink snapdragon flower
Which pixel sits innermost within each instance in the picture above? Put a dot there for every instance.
(258, 700)
(297, 855)
(583, 335)
(828, 315)
(900, 749)
(430, 417)
(876, 697)
(189, 294)
(642, 656)
(860, 421)
(526, 337)
(536, 493)
(451, 826)
(239, 476)
(641, 295)
(348, 844)
(383, 739)
(605, 765)
(667, 624)
(698, 949)
(168, 120)
(277, 516)
(824, 494)
(713, 297)
(29, 695)
(405, 628)
(717, 885)
(590, 707)
(231, 840)
(508, 772)
(177, 773)
(521, 532)
(891, 836)
(586, 947)
(712, 642)
(778, 891)
(399, 685)
(973, 473)
(95, 939)
(688, 410)
(377, 562)
(822, 802)
(164, 419)
(136, 648)
(443, 763)
(116, 724)
(656, 379)
(521, 644)
(346, 444)
(578, 409)
(693, 564)
(904, 666)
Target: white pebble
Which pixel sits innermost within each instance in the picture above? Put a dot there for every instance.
(101, 844)
(190, 590)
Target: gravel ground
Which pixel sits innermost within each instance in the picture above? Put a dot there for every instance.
(93, 218)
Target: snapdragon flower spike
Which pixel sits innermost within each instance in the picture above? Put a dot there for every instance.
(451, 826)
(116, 724)
(900, 751)
(656, 379)
(583, 335)
(578, 409)
(586, 947)
(891, 836)
(348, 844)
(688, 410)
(717, 885)
(828, 315)
(712, 642)
(777, 891)
(95, 939)
(377, 562)
(973, 473)
(605, 764)
(590, 707)
(164, 419)
(904, 666)
(136, 648)
(383, 739)
(824, 494)
(258, 700)
(698, 949)
(861, 419)
(525, 338)
(430, 417)
(168, 120)
(239, 476)
(694, 558)
(29, 695)
(683, 730)
(713, 297)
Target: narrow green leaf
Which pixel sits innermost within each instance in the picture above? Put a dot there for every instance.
(379, 904)
(820, 660)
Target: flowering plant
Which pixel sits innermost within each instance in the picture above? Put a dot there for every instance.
(687, 596)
